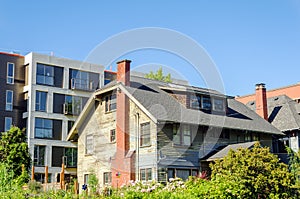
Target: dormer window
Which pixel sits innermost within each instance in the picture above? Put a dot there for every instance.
(219, 104)
(110, 103)
(195, 102)
(206, 103)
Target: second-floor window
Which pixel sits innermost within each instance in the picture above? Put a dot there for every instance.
(39, 155)
(45, 74)
(181, 134)
(43, 128)
(89, 144)
(145, 134)
(110, 103)
(195, 102)
(10, 73)
(9, 100)
(40, 101)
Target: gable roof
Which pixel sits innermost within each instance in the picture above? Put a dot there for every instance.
(150, 96)
(283, 112)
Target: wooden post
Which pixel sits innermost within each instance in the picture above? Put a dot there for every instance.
(62, 176)
(76, 187)
(32, 173)
(46, 174)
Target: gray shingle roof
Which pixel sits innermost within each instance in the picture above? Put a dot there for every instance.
(165, 108)
(222, 153)
(283, 112)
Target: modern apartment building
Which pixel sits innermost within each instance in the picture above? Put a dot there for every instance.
(11, 86)
(56, 90)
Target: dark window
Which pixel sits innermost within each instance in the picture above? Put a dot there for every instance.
(58, 102)
(183, 173)
(45, 74)
(43, 128)
(9, 100)
(113, 135)
(40, 177)
(110, 103)
(225, 134)
(107, 177)
(10, 73)
(206, 102)
(71, 157)
(40, 101)
(146, 174)
(57, 156)
(70, 124)
(195, 102)
(145, 134)
(73, 105)
(39, 155)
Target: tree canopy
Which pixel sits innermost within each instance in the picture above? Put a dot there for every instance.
(14, 150)
(159, 76)
(252, 173)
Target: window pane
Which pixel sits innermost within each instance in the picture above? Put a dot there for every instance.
(43, 128)
(219, 105)
(145, 134)
(8, 123)
(195, 101)
(149, 174)
(206, 103)
(49, 71)
(10, 73)
(186, 135)
(143, 175)
(9, 100)
(40, 69)
(176, 134)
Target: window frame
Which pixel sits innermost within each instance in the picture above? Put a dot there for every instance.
(9, 105)
(112, 136)
(8, 76)
(73, 156)
(145, 134)
(44, 75)
(214, 105)
(107, 178)
(89, 144)
(180, 133)
(111, 103)
(40, 160)
(5, 123)
(144, 174)
(203, 103)
(39, 100)
(195, 101)
(43, 128)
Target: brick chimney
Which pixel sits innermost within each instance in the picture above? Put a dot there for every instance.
(261, 100)
(122, 164)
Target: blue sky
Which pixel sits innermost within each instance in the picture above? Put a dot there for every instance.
(249, 41)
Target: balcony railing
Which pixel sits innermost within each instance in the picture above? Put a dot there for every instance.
(82, 84)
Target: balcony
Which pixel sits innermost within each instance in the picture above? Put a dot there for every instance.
(82, 84)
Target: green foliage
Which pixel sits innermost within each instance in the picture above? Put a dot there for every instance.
(294, 165)
(251, 173)
(93, 183)
(159, 76)
(14, 150)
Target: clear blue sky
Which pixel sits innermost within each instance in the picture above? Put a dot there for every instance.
(249, 41)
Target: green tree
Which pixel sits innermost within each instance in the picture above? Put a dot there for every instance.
(14, 150)
(294, 165)
(159, 76)
(251, 173)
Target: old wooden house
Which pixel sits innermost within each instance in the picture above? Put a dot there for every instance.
(141, 129)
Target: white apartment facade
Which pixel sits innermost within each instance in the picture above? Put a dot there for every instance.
(56, 89)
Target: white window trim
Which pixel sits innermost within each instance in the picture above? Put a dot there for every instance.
(5, 123)
(89, 148)
(13, 76)
(9, 103)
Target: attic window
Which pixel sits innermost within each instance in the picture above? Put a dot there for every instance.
(218, 104)
(110, 103)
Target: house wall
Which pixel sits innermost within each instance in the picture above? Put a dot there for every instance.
(99, 123)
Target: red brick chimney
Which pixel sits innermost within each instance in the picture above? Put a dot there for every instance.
(122, 164)
(261, 100)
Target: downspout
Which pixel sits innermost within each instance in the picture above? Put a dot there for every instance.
(137, 130)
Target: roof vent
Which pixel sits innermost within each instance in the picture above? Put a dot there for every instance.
(276, 98)
(252, 103)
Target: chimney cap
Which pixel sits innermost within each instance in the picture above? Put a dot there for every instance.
(260, 85)
(125, 60)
